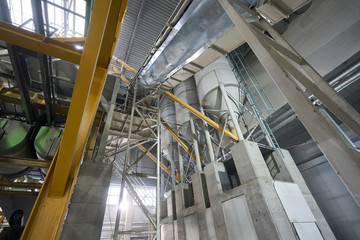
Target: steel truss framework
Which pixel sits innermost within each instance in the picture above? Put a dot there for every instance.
(274, 53)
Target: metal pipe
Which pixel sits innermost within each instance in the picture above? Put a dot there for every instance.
(181, 164)
(24, 162)
(124, 65)
(231, 110)
(203, 117)
(141, 175)
(208, 138)
(152, 157)
(21, 185)
(344, 84)
(346, 72)
(123, 176)
(141, 157)
(196, 146)
(173, 182)
(182, 144)
(135, 232)
(158, 173)
(347, 82)
(336, 127)
(221, 139)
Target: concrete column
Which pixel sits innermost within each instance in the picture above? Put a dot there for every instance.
(180, 206)
(216, 177)
(87, 204)
(109, 116)
(344, 160)
(290, 167)
(171, 205)
(201, 202)
(267, 213)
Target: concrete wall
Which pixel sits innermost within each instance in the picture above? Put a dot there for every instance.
(326, 35)
(334, 200)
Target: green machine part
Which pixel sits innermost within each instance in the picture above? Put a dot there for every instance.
(14, 142)
(47, 141)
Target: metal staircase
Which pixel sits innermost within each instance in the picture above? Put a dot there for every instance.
(134, 191)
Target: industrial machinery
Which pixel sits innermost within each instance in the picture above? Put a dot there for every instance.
(15, 142)
(147, 120)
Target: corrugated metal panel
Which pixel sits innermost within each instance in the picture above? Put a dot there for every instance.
(152, 20)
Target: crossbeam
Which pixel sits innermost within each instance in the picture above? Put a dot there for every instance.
(38, 43)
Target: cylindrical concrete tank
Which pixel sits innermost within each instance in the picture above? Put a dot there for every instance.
(14, 142)
(210, 97)
(168, 143)
(187, 92)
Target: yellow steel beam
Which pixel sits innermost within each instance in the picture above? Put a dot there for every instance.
(182, 144)
(35, 163)
(38, 43)
(177, 177)
(21, 185)
(88, 87)
(48, 213)
(17, 193)
(200, 115)
(13, 96)
(121, 76)
(124, 64)
(71, 40)
(125, 80)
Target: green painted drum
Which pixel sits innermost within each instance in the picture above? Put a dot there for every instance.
(14, 142)
(47, 141)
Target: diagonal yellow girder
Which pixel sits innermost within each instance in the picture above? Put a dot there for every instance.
(201, 116)
(124, 64)
(49, 210)
(182, 144)
(152, 157)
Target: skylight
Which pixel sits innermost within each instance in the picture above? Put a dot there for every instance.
(66, 18)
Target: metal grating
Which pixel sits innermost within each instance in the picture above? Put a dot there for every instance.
(147, 18)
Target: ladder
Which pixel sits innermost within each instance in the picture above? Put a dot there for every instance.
(250, 86)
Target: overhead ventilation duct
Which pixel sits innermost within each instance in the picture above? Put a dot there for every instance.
(202, 24)
(210, 97)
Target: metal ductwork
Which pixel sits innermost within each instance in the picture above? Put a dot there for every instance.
(202, 24)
